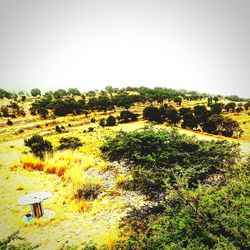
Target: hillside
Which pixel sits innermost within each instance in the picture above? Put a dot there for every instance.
(97, 218)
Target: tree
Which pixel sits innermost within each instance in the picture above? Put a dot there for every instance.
(246, 105)
(222, 125)
(124, 100)
(216, 99)
(189, 121)
(91, 93)
(172, 116)
(104, 103)
(74, 92)
(201, 113)
(111, 121)
(38, 145)
(185, 111)
(4, 93)
(43, 112)
(208, 217)
(230, 106)
(152, 113)
(178, 100)
(216, 108)
(59, 93)
(110, 90)
(209, 101)
(127, 116)
(233, 98)
(35, 92)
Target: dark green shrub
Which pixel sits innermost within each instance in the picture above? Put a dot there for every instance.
(102, 122)
(91, 129)
(111, 121)
(152, 113)
(5, 244)
(38, 145)
(222, 125)
(127, 116)
(9, 122)
(208, 217)
(69, 143)
(155, 155)
(58, 129)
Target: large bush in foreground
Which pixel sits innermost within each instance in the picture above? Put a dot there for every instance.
(156, 155)
(207, 217)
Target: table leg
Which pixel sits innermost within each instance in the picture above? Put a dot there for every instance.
(37, 210)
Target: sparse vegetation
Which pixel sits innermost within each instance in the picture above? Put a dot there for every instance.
(127, 186)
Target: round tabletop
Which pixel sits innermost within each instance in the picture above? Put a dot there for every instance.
(33, 198)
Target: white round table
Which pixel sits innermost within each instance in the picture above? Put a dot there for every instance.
(35, 200)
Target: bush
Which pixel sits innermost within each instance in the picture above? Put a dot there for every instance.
(58, 129)
(69, 143)
(102, 122)
(38, 145)
(22, 243)
(208, 217)
(127, 116)
(155, 155)
(222, 125)
(111, 121)
(88, 188)
(9, 122)
(153, 114)
(91, 129)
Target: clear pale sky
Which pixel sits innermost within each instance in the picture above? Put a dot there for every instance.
(199, 45)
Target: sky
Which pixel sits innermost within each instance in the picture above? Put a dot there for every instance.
(201, 45)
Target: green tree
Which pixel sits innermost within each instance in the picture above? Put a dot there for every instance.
(201, 113)
(91, 93)
(189, 121)
(110, 90)
(152, 113)
(230, 106)
(74, 92)
(35, 92)
(172, 116)
(60, 93)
